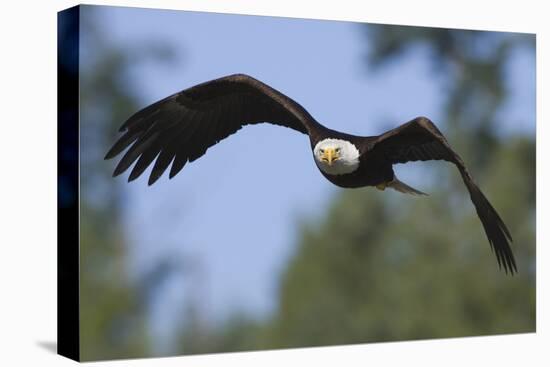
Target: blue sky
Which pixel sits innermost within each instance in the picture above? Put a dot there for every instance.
(234, 214)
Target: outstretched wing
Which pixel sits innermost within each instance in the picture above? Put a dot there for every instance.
(181, 127)
(421, 140)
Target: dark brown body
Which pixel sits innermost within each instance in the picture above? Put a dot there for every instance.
(369, 173)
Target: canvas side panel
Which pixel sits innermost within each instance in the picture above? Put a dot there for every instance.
(68, 335)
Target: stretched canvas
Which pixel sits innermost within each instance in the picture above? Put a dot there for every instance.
(250, 243)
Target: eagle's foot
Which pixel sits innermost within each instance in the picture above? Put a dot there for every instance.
(382, 186)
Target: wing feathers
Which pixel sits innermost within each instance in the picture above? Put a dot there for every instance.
(167, 154)
(135, 151)
(164, 159)
(497, 232)
(181, 157)
(144, 161)
(123, 143)
(209, 132)
(420, 139)
(181, 127)
(143, 115)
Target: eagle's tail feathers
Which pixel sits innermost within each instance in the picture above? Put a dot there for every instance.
(403, 187)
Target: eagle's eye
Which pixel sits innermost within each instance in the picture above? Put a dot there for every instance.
(322, 151)
(337, 150)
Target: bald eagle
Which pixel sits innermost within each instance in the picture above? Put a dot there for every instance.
(181, 127)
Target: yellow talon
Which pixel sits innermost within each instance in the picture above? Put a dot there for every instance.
(381, 186)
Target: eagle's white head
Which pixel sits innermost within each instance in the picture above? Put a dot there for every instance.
(336, 156)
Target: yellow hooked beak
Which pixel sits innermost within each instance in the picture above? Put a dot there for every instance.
(330, 155)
